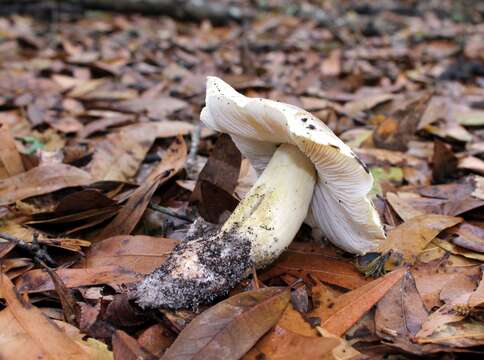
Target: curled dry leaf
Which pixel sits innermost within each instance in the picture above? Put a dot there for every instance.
(28, 334)
(126, 220)
(120, 155)
(10, 160)
(399, 316)
(449, 327)
(230, 328)
(301, 259)
(127, 348)
(284, 344)
(113, 261)
(41, 180)
(433, 277)
(411, 237)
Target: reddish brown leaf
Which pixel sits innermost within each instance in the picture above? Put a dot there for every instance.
(284, 344)
(350, 307)
(119, 156)
(127, 348)
(127, 218)
(156, 339)
(41, 180)
(301, 259)
(117, 260)
(411, 237)
(230, 328)
(39, 331)
(10, 160)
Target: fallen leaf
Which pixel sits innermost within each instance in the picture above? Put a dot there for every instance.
(448, 327)
(399, 317)
(156, 339)
(230, 328)
(444, 162)
(118, 157)
(130, 214)
(402, 208)
(113, 261)
(472, 163)
(431, 278)
(350, 307)
(301, 259)
(41, 180)
(217, 181)
(25, 324)
(127, 348)
(457, 250)
(366, 103)
(411, 237)
(470, 117)
(10, 158)
(284, 344)
(139, 253)
(470, 237)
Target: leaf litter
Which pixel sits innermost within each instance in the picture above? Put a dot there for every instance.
(103, 167)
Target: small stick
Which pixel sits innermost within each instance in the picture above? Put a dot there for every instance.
(170, 212)
(34, 248)
(255, 279)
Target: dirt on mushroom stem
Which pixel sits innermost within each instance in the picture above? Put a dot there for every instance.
(198, 271)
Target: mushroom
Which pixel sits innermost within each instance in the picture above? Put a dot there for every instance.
(306, 171)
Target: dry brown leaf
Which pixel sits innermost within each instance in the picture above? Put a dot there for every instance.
(449, 327)
(127, 348)
(350, 307)
(139, 253)
(41, 180)
(411, 237)
(129, 216)
(230, 328)
(457, 250)
(9, 155)
(399, 316)
(26, 324)
(156, 339)
(118, 156)
(434, 276)
(113, 261)
(301, 259)
(283, 344)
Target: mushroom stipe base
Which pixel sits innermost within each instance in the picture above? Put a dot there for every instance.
(198, 271)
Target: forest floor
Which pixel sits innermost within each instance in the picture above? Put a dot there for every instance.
(102, 160)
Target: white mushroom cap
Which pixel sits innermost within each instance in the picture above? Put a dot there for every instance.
(340, 206)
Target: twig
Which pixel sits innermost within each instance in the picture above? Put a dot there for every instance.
(191, 163)
(170, 212)
(34, 248)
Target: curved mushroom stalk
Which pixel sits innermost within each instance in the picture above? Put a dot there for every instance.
(297, 155)
(261, 227)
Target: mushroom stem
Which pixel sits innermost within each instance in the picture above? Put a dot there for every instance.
(276, 206)
(261, 227)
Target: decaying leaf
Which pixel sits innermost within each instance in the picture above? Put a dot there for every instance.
(10, 159)
(230, 328)
(126, 220)
(350, 307)
(41, 180)
(301, 259)
(411, 237)
(119, 156)
(28, 334)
